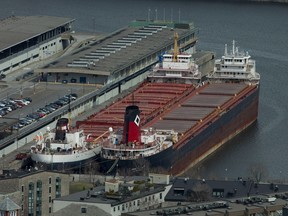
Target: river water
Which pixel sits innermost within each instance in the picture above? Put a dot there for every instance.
(260, 28)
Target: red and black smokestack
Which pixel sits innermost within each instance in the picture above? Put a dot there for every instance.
(131, 132)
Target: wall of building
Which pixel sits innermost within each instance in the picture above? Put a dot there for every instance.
(45, 193)
(9, 185)
(32, 54)
(76, 78)
(139, 203)
(48, 180)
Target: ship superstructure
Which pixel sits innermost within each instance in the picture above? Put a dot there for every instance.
(235, 66)
(176, 67)
(63, 146)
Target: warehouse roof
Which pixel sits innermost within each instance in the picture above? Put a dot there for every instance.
(16, 29)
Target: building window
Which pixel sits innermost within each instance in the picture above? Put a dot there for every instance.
(22, 188)
(50, 180)
(114, 209)
(58, 187)
(160, 195)
(31, 199)
(83, 210)
(38, 197)
(50, 210)
(218, 192)
(50, 199)
(49, 189)
(119, 208)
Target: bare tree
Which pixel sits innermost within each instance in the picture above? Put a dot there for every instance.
(141, 166)
(159, 170)
(199, 192)
(257, 172)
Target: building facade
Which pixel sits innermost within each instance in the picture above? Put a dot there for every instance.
(25, 40)
(36, 189)
(117, 197)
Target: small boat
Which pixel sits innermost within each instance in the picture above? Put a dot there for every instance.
(63, 147)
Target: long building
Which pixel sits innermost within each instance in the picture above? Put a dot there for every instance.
(123, 53)
(24, 40)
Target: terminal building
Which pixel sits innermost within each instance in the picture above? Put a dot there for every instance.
(124, 52)
(24, 40)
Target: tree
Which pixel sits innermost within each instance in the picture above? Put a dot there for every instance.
(257, 172)
(199, 192)
(141, 166)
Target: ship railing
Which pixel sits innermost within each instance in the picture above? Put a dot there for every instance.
(63, 152)
(140, 148)
(130, 157)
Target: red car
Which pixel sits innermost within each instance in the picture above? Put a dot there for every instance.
(21, 156)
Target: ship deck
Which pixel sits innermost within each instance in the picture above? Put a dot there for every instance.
(180, 107)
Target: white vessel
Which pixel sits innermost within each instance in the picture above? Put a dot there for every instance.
(176, 67)
(62, 148)
(235, 66)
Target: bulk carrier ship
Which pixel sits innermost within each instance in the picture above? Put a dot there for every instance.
(176, 118)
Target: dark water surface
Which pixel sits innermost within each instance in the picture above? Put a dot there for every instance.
(260, 28)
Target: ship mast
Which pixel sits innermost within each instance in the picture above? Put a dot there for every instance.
(176, 49)
(69, 114)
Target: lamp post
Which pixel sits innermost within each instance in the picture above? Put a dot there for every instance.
(226, 178)
(21, 92)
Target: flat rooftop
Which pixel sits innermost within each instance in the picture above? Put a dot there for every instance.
(16, 29)
(119, 50)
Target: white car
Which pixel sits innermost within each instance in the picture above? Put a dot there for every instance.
(25, 102)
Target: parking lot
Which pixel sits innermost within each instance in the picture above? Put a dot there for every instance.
(41, 95)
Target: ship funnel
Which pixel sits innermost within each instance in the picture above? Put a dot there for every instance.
(61, 129)
(131, 131)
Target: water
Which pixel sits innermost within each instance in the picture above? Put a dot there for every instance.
(260, 28)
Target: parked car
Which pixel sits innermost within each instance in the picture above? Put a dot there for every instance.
(60, 102)
(24, 121)
(28, 99)
(70, 97)
(50, 108)
(2, 113)
(29, 119)
(17, 126)
(43, 110)
(25, 102)
(6, 109)
(54, 105)
(21, 156)
(34, 116)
